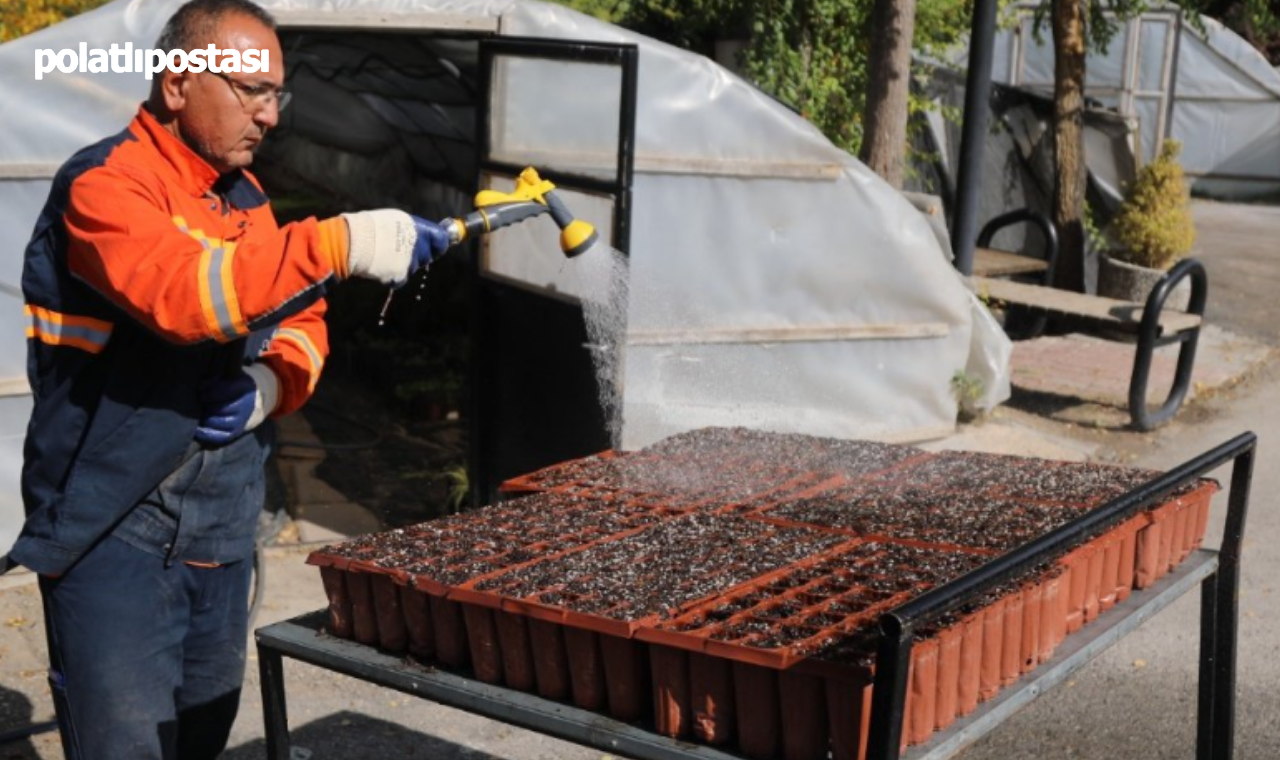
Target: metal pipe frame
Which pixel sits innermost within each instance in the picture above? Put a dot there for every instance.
(1034, 325)
(1149, 339)
(1036, 219)
(298, 639)
(1219, 616)
(626, 57)
(977, 111)
(1219, 608)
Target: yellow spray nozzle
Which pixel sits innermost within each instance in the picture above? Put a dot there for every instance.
(532, 196)
(529, 187)
(577, 237)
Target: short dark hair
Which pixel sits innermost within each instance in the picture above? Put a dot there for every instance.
(193, 25)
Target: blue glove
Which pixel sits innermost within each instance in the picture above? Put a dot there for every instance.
(432, 241)
(232, 406)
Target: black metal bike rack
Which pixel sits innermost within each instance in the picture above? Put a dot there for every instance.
(1035, 219)
(1149, 339)
(1049, 233)
(1217, 573)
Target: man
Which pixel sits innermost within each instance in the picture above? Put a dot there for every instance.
(169, 316)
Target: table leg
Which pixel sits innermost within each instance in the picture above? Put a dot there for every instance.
(275, 714)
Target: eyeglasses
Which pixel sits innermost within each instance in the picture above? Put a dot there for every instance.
(255, 97)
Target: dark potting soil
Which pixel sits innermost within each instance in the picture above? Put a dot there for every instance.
(795, 453)
(712, 468)
(1085, 484)
(951, 518)
(820, 608)
(455, 549)
(667, 552)
(659, 569)
(587, 470)
(967, 471)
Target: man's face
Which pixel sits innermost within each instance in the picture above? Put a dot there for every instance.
(217, 114)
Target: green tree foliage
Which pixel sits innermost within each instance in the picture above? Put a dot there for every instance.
(22, 17)
(1103, 18)
(1258, 21)
(1153, 226)
(809, 54)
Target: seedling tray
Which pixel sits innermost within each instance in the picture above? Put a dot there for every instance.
(618, 585)
(724, 585)
(716, 469)
(810, 607)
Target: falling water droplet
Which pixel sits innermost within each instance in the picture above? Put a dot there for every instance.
(602, 274)
(382, 315)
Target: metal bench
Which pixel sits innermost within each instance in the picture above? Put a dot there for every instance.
(1148, 324)
(990, 262)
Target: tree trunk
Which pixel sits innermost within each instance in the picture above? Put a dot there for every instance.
(884, 137)
(1068, 141)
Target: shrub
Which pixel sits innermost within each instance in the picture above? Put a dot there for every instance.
(1153, 227)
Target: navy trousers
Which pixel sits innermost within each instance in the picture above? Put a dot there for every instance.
(146, 660)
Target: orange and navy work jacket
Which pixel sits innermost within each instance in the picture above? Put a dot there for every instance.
(149, 273)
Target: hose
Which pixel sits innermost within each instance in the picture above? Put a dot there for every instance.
(259, 581)
(26, 732)
(260, 542)
(367, 444)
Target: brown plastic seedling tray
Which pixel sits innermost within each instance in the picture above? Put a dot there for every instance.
(792, 615)
(573, 472)
(596, 598)
(438, 556)
(892, 511)
(616, 586)
(1018, 478)
(1176, 529)
(815, 626)
(620, 596)
(716, 469)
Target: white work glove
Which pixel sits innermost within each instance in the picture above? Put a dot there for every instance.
(389, 245)
(232, 406)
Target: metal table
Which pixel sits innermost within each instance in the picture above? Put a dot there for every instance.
(1215, 572)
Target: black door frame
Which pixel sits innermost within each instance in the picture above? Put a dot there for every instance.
(496, 374)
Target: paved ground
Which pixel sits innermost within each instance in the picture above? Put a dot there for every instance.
(1136, 701)
(1139, 700)
(1237, 244)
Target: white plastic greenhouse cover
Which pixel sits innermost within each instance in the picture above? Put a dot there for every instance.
(746, 222)
(1226, 98)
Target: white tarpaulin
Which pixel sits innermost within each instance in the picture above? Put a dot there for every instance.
(1225, 99)
(775, 281)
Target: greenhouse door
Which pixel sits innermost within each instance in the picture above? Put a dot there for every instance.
(568, 110)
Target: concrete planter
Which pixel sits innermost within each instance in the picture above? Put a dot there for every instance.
(1129, 282)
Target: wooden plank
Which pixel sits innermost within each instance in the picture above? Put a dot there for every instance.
(795, 334)
(1121, 314)
(388, 20)
(651, 163)
(604, 163)
(15, 170)
(14, 386)
(988, 262)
